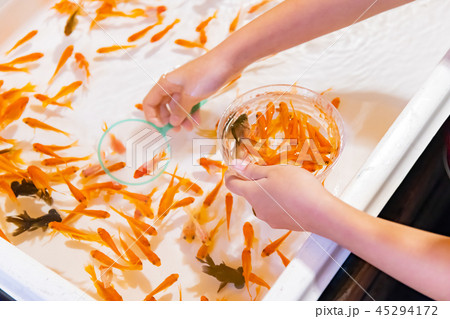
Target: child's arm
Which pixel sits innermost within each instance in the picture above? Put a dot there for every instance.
(292, 198)
(290, 23)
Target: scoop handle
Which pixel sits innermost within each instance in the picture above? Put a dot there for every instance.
(163, 130)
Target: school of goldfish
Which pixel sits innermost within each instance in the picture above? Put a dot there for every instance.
(129, 246)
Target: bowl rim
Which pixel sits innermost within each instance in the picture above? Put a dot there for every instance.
(285, 88)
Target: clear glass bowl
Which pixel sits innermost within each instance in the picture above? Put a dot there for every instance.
(244, 139)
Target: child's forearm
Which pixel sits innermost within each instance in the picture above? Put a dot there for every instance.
(294, 22)
(417, 258)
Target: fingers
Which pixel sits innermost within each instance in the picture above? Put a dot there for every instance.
(177, 111)
(253, 171)
(156, 97)
(237, 185)
(187, 124)
(164, 114)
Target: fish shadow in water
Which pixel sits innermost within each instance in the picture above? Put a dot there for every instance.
(134, 279)
(206, 8)
(191, 52)
(156, 47)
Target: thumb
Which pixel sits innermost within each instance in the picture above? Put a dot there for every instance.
(237, 185)
(252, 171)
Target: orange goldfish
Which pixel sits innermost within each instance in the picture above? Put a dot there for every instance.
(149, 167)
(272, 247)
(40, 179)
(235, 21)
(284, 259)
(72, 217)
(207, 164)
(25, 59)
(13, 112)
(247, 266)
(183, 202)
(139, 106)
(133, 259)
(106, 275)
(189, 44)
(162, 33)
(186, 185)
(63, 160)
(65, 7)
(82, 63)
(135, 196)
(138, 35)
(117, 145)
(96, 170)
(44, 149)
(16, 93)
(108, 262)
(67, 53)
(107, 293)
(94, 213)
(46, 100)
(203, 298)
(193, 229)
(246, 253)
(78, 194)
(64, 91)
(33, 123)
(208, 244)
(68, 89)
(203, 38)
(257, 280)
(257, 6)
(108, 241)
(169, 281)
(336, 102)
(146, 250)
(249, 235)
(209, 199)
(114, 48)
(205, 23)
(6, 189)
(143, 227)
(73, 232)
(56, 177)
(135, 13)
(8, 166)
(228, 209)
(26, 38)
(9, 68)
(106, 185)
(2, 235)
(165, 204)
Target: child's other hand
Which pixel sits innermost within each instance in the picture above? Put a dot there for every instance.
(172, 98)
(284, 196)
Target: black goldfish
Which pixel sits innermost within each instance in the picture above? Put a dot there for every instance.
(27, 188)
(26, 223)
(223, 273)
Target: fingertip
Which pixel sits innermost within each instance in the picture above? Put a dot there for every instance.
(176, 120)
(235, 184)
(164, 115)
(187, 125)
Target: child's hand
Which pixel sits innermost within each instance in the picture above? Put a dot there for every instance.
(284, 196)
(182, 88)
